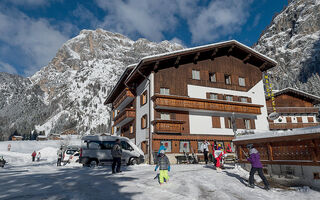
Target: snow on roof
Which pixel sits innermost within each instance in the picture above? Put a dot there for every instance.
(101, 138)
(17, 136)
(290, 89)
(272, 134)
(42, 136)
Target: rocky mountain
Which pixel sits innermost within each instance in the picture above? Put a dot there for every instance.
(293, 40)
(68, 93)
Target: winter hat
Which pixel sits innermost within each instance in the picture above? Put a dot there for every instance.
(162, 151)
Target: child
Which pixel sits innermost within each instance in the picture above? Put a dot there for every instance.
(38, 156)
(164, 164)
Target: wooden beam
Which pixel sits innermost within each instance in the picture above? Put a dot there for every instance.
(263, 66)
(230, 50)
(155, 67)
(176, 63)
(214, 53)
(245, 60)
(196, 57)
(270, 156)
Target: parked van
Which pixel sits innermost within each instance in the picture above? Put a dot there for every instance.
(96, 150)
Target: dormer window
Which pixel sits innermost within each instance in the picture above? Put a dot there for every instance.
(196, 74)
(242, 81)
(212, 77)
(227, 79)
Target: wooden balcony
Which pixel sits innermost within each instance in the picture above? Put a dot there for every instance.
(285, 126)
(187, 103)
(124, 117)
(124, 98)
(167, 126)
(294, 110)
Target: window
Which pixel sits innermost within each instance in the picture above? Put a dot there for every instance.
(196, 74)
(227, 79)
(247, 123)
(166, 144)
(165, 116)
(310, 119)
(288, 119)
(165, 91)
(244, 99)
(144, 121)
(143, 98)
(212, 77)
(184, 146)
(242, 81)
(229, 98)
(213, 96)
(126, 146)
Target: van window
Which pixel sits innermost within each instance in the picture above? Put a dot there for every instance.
(108, 144)
(93, 145)
(126, 146)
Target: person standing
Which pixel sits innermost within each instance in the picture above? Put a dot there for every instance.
(38, 156)
(256, 166)
(205, 148)
(164, 164)
(116, 153)
(34, 154)
(59, 154)
(9, 147)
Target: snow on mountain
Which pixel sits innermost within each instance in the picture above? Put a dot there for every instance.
(74, 84)
(293, 40)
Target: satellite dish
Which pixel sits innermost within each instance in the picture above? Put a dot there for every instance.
(273, 116)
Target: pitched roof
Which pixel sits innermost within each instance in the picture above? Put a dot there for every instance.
(231, 47)
(310, 97)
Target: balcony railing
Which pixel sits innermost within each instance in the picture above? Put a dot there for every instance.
(126, 94)
(285, 126)
(125, 116)
(167, 126)
(187, 103)
(294, 109)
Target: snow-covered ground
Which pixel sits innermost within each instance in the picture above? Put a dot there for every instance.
(23, 179)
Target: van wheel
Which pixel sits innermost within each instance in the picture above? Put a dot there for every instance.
(133, 161)
(93, 163)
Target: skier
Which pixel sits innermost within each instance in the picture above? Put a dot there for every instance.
(38, 156)
(164, 164)
(116, 153)
(229, 150)
(218, 154)
(34, 153)
(256, 165)
(59, 154)
(205, 150)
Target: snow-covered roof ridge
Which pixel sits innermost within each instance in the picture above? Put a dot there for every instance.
(290, 89)
(272, 134)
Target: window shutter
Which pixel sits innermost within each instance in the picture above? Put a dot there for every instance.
(249, 100)
(216, 122)
(226, 122)
(236, 98)
(220, 96)
(299, 119)
(288, 119)
(208, 95)
(252, 123)
(173, 115)
(310, 119)
(240, 123)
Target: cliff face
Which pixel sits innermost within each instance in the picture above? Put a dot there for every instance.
(293, 40)
(69, 92)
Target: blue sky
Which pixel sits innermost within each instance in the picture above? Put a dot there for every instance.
(31, 31)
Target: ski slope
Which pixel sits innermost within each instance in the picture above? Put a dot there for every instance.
(23, 179)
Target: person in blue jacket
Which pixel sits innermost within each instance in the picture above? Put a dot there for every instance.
(164, 165)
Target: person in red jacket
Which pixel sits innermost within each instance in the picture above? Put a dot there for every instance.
(34, 154)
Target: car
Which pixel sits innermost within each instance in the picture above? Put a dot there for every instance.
(70, 151)
(96, 150)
